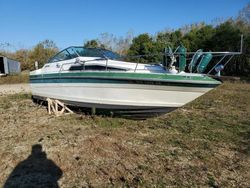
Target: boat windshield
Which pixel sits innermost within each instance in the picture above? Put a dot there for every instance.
(73, 52)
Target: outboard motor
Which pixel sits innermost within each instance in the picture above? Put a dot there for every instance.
(168, 58)
(204, 62)
(194, 60)
(182, 58)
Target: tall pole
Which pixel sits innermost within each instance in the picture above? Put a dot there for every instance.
(241, 44)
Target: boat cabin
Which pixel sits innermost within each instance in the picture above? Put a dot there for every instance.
(86, 59)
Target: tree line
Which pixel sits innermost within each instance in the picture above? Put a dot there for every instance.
(40, 53)
(221, 36)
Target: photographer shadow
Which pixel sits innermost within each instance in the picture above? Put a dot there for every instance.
(35, 171)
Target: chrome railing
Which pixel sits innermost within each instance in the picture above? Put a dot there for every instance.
(223, 56)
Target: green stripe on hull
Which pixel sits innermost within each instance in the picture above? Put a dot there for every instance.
(127, 76)
(116, 78)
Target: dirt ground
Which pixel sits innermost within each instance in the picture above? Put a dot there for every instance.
(204, 144)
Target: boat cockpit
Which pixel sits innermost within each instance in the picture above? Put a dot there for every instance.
(94, 59)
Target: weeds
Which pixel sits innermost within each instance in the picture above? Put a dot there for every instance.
(204, 144)
(15, 79)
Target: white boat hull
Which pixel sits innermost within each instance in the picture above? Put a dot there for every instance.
(119, 95)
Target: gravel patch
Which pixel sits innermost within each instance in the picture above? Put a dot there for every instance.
(14, 88)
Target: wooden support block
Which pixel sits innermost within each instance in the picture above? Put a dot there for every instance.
(53, 106)
(61, 112)
(70, 111)
(56, 106)
(49, 105)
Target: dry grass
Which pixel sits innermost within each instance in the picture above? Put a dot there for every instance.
(15, 79)
(204, 144)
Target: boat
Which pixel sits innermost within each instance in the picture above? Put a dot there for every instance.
(99, 79)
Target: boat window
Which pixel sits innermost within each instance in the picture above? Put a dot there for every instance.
(94, 68)
(88, 52)
(110, 54)
(95, 52)
(76, 67)
(72, 52)
(63, 55)
(102, 68)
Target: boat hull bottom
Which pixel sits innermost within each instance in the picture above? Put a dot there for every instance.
(131, 112)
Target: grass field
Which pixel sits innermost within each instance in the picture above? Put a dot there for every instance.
(15, 79)
(204, 144)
